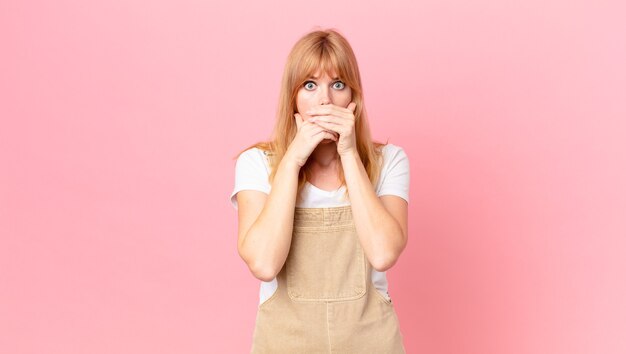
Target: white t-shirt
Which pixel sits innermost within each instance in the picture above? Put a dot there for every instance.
(252, 172)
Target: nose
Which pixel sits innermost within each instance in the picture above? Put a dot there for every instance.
(324, 96)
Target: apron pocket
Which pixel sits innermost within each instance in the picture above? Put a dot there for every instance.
(325, 264)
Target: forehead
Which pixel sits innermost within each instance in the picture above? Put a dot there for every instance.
(322, 74)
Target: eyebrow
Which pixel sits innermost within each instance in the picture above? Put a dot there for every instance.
(315, 78)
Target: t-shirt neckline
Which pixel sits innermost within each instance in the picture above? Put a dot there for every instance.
(312, 186)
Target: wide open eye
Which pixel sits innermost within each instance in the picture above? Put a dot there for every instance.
(339, 85)
(309, 85)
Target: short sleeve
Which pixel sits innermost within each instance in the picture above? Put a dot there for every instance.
(251, 173)
(395, 174)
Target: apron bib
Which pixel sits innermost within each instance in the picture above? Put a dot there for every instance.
(325, 301)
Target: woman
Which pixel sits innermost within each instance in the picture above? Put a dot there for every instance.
(322, 212)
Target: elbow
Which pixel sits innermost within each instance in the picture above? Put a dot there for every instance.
(259, 270)
(263, 273)
(383, 262)
(387, 258)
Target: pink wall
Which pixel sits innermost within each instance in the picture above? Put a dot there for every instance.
(120, 120)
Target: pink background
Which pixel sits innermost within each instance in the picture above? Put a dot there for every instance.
(120, 120)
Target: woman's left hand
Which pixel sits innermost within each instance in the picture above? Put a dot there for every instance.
(339, 120)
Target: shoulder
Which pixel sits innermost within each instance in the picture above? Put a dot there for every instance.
(251, 173)
(391, 153)
(253, 153)
(253, 161)
(254, 156)
(387, 148)
(395, 172)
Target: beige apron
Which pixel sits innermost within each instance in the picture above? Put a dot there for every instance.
(326, 301)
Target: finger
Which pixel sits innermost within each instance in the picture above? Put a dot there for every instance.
(321, 130)
(330, 126)
(299, 120)
(313, 128)
(324, 110)
(326, 134)
(330, 136)
(331, 119)
(337, 121)
(327, 109)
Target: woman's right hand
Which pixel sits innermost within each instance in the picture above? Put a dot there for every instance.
(307, 138)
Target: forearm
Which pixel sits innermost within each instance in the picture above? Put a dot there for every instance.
(267, 242)
(379, 233)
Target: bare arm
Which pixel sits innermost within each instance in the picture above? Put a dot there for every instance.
(266, 221)
(381, 223)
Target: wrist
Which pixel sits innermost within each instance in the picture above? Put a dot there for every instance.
(291, 161)
(350, 155)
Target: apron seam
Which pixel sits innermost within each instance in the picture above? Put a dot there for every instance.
(330, 344)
